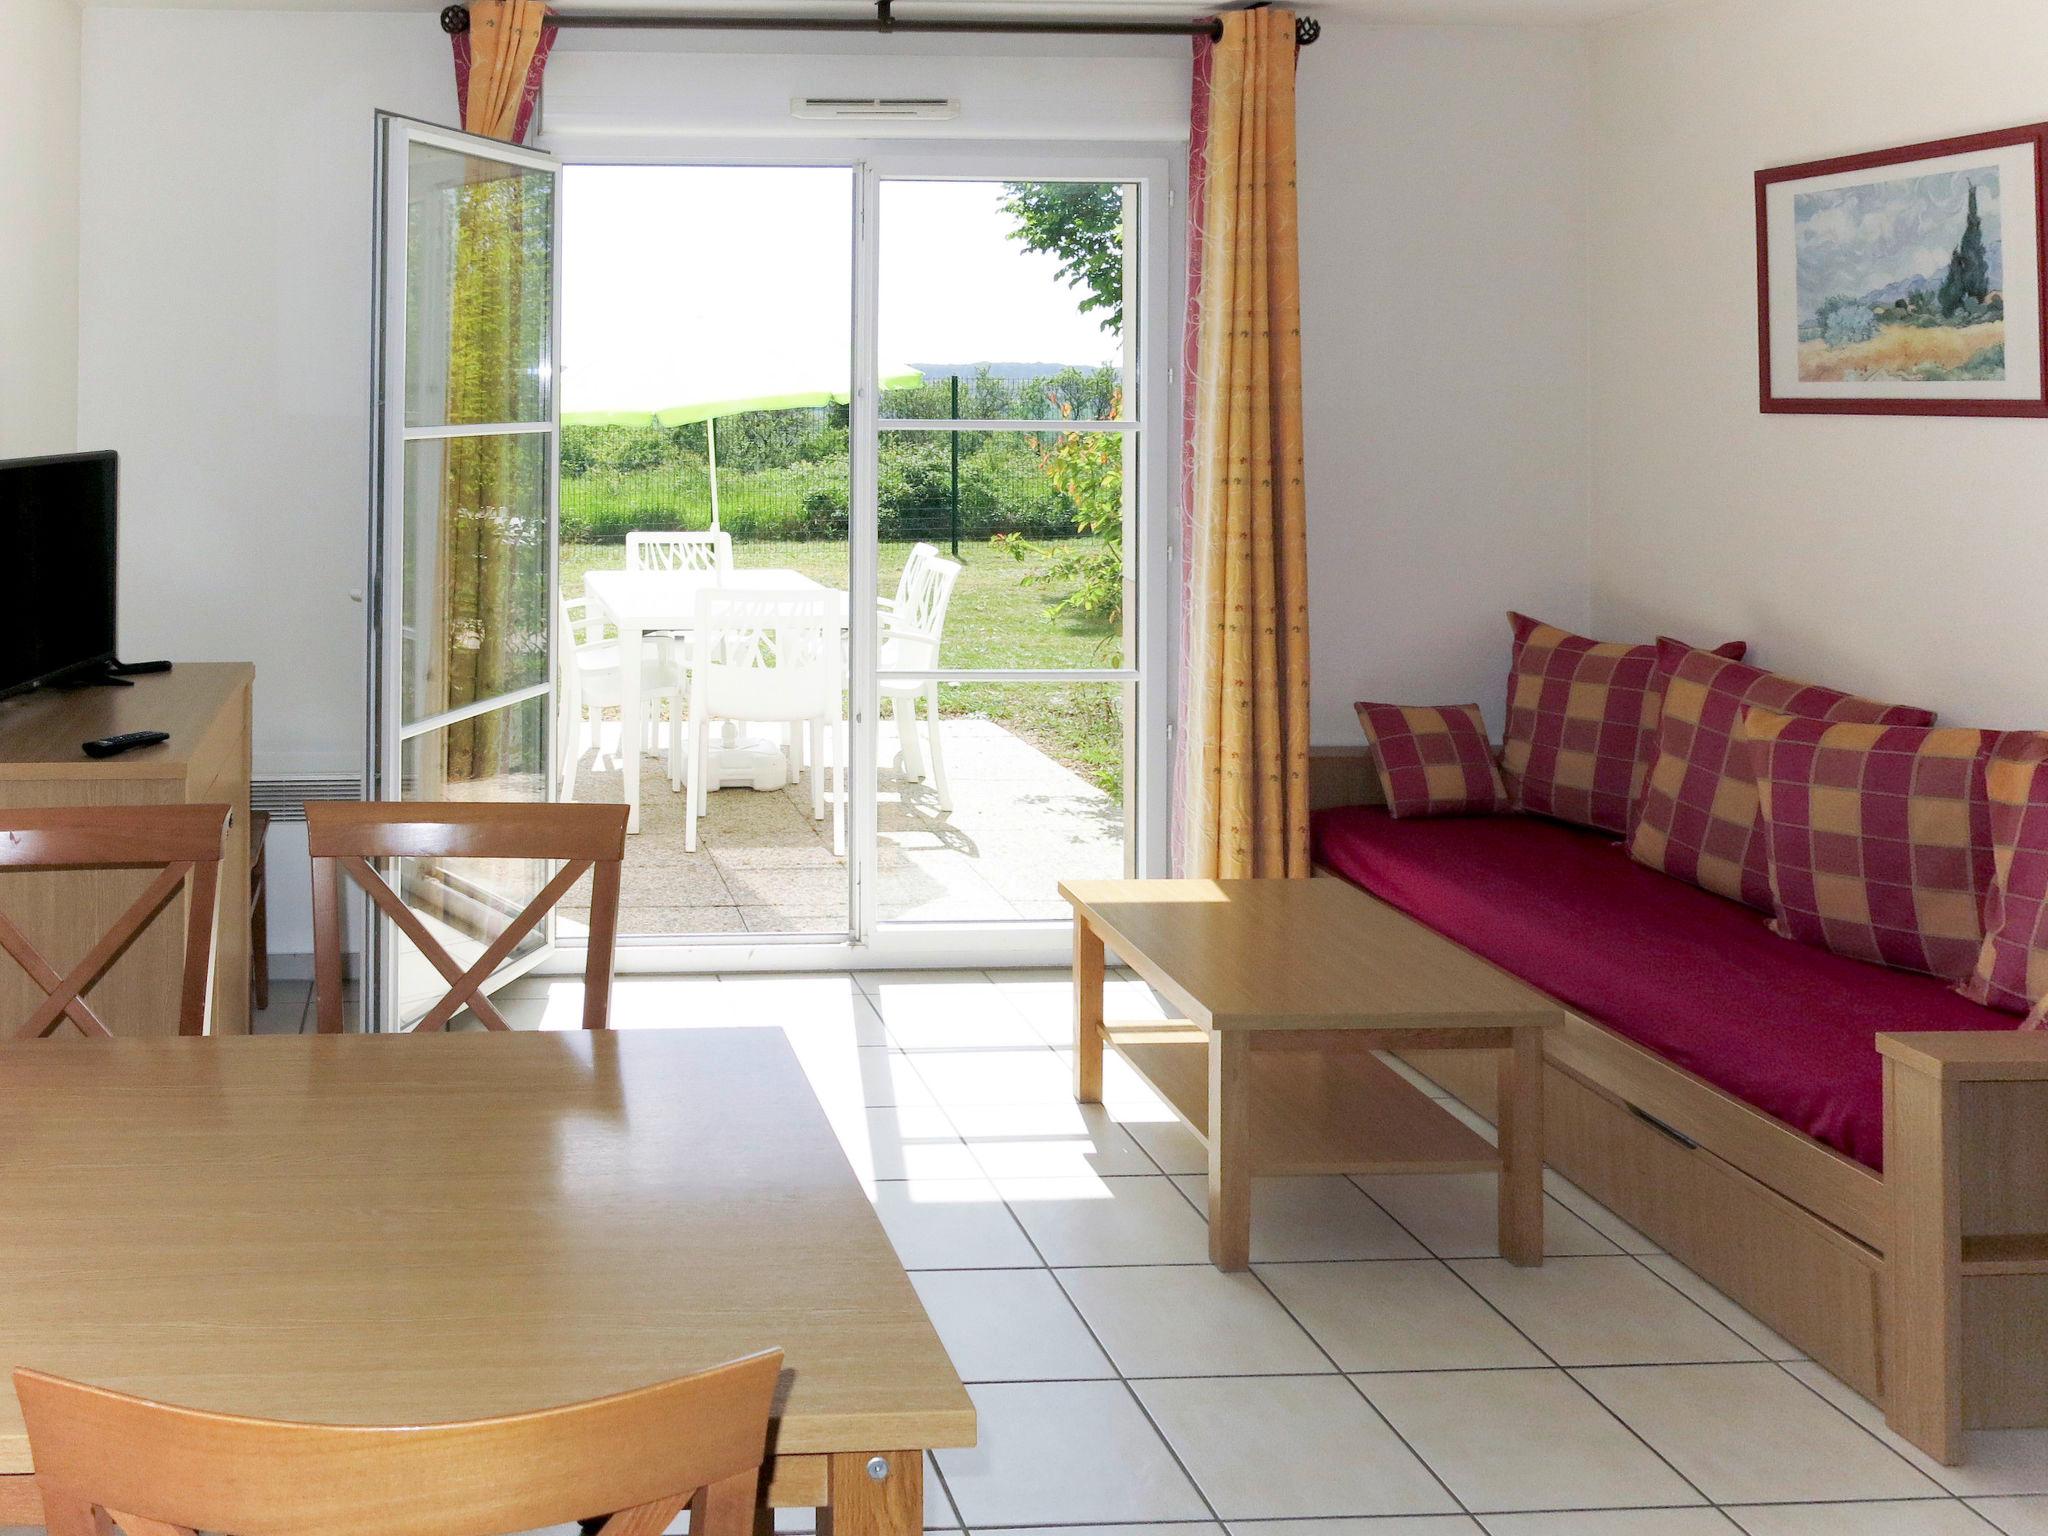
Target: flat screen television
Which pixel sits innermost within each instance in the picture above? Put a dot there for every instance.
(57, 532)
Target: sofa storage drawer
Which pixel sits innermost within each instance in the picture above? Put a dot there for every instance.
(1812, 1283)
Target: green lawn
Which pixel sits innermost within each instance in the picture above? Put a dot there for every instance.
(995, 621)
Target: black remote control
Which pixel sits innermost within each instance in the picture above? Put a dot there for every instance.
(113, 746)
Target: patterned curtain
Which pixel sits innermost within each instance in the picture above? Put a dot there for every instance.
(1242, 784)
(498, 65)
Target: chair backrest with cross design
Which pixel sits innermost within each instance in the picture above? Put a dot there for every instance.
(343, 837)
(707, 553)
(183, 843)
(628, 1465)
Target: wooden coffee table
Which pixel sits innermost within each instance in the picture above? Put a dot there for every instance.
(1287, 988)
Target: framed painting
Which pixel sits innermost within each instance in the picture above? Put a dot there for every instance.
(1906, 281)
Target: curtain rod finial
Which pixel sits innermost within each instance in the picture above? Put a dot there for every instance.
(1306, 30)
(454, 19)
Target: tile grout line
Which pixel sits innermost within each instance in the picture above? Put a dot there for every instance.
(1108, 1359)
(1929, 1477)
(1940, 1492)
(1131, 1392)
(1510, 1322)
(1627, 1427)
(1372, 1407)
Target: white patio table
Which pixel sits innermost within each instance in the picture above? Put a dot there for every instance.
(640, 603)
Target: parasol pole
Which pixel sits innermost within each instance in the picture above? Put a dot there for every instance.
(711, 455)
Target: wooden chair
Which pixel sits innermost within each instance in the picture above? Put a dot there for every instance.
(105, 1459)
(343, 837)
(185, 841)
(259, 912)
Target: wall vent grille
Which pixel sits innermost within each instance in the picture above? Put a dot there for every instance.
(285, 798)
(919, 108)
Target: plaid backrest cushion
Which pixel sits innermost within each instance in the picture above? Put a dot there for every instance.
(1433, 760)
(1582, 723)
(1698, 816)
(1878, 836)
(2011, 970)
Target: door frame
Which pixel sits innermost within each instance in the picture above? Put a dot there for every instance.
(384, 731)
(1159, 170)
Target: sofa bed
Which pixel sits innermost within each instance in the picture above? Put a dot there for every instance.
(1854, 1151)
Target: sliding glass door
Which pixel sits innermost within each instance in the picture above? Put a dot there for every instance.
(1003, 498)
(926, 385)
(463, 526)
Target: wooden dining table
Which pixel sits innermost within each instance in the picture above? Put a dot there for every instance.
(407, 1229)
(642, 603)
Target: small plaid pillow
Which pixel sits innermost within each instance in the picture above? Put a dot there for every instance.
(2012, 967)
(1434, 760)
(1879, 838)
(1698, 816)
(1582, 723)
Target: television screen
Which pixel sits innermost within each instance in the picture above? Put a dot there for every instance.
(57, 528)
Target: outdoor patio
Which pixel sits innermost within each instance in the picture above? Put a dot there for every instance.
(1020, 822)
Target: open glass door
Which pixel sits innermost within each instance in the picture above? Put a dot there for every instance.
(463, 526)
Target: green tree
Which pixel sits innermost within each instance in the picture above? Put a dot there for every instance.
(1082, 223)
(1969, 269)
(1087, 469)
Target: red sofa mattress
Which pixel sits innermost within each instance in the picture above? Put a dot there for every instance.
(1701, 981)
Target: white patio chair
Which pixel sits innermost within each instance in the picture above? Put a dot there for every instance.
(590, 679)
(913, 568)
(709, 552)
(773, 657)
(912, 627)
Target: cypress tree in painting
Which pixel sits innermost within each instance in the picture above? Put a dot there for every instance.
(1969, 271)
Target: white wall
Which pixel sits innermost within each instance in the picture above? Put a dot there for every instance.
(645, 93)
(39, 74)
(1443, 194)
(224, 349)
(1896, 555)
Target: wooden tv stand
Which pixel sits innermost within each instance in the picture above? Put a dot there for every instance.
(205, 707)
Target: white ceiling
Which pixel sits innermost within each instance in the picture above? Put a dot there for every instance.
(1538, 12)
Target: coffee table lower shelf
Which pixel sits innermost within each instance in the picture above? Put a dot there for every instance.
(1312, 1111)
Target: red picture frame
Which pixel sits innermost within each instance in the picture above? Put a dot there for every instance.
(2035, 404)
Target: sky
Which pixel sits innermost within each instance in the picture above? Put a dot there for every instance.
(1858, 238)
(683, 283)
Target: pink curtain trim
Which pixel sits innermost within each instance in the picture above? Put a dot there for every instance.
(527, 101)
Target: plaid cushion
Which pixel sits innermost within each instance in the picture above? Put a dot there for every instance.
(1698, 816)
(1433, 760)
(1879, 837)
(2012, 966)
(1582, 723)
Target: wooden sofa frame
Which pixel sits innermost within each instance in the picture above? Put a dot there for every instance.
(1924, 1288)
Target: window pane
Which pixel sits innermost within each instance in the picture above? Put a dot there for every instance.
(466, 903)
(1007, 300)
(1035, 523)
(479, 290)
(1037, 774)
(475, 580)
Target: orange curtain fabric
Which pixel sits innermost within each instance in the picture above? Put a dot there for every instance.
(504, 36)
(1244, 812)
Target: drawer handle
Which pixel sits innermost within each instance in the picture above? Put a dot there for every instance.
(1664, 1130)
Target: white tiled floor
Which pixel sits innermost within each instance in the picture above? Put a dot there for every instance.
(1379, 1373)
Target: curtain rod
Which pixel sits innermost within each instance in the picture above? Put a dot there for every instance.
(455, 19)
